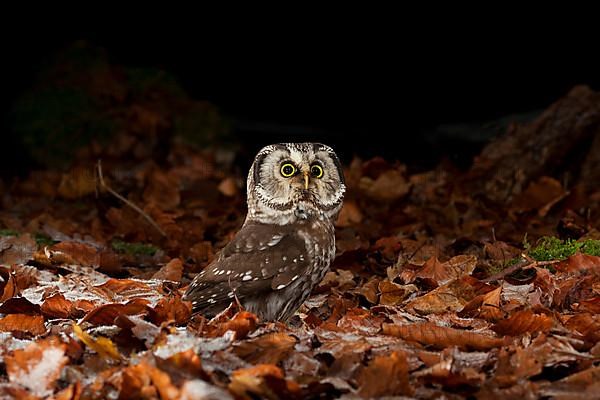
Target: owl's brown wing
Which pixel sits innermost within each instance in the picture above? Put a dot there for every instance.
(261, 258)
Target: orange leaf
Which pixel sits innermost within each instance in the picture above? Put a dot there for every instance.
(171, 309)
(262, 380)
(170, 272)
(385, 376)
(270, 348)
(485, 306)
(106, 314)
(33, 324)
(56, 306)
(440, 336)
(393, 294)
(524, 321)
(37, 366)
(442, 273)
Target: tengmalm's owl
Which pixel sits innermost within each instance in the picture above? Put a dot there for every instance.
(287, 242)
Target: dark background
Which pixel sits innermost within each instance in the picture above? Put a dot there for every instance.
(365, 92)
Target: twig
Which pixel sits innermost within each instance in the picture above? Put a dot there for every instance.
(526, 263)
(126, 201)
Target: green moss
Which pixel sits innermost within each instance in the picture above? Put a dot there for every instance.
(43, 240)
(8, 232)
(134, 249)
(591, 247)
(552, 248)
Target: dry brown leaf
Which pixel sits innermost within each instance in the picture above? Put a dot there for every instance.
(485, 306)
(107, 313)
(441, 273)
(171, 308)
(370, 290)
(33, 324)
(17, 249)
(170, 272)
(262, 380)
(579, 262)
(162, 190)
(440, 337)
(145, 381)
(270, 348)
(350, 214)
(393, 294)
(56, 306)
(38, 366)
(385, 376)
(389, 186)
(242, 323)
(452, 296)
(228, 187)
(540, 195)
(524, 321)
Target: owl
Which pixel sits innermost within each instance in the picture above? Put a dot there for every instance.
(287, 242)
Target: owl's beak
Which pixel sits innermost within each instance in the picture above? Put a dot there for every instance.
(305, 173)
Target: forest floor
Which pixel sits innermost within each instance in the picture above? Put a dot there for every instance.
(446, 283)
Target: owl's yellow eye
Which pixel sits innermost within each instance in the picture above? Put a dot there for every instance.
(316, 171)
(288, 170)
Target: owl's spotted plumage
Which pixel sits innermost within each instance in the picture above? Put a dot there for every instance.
(287, 242)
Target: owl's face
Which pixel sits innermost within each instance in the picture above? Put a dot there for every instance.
(295, 181)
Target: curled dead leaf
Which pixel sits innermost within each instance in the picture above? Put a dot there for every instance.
(262, 380)
(170, 272)
(524, 321)
(270, 348)
(385, 376)
(32, 324)
(440, 336)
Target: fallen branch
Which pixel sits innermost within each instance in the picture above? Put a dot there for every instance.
(526, 263)
(124, 200)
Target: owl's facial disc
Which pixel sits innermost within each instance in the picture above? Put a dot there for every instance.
(302, 178)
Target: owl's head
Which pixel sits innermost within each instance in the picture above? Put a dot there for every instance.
(291, 181)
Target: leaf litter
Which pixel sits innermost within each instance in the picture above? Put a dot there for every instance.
(435, 291)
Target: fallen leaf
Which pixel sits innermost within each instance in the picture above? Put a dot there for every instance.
(270, 348)
(17, 249)
(170, 272)
(452, 296)
(350, 214)
(441, 273)
(385, 376)
(228, 187)
(107, 313)
(101, 345)
(393, 294)
(485, 306)
(38, 366)
(33, 324)
(441, 336)
(262, 380)
(524, 321)
(56, 306)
